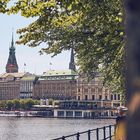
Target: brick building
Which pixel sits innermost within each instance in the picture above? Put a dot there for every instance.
(9, 87)
(94, 90)
(56, 84)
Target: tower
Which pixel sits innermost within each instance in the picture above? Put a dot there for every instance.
(11, 66)
(72, 63)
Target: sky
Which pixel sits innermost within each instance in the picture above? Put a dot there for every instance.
(35, 63)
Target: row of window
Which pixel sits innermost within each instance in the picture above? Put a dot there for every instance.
(113, 97)
(92, 90)
(69, 113)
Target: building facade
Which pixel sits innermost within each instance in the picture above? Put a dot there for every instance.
(95, 91)
(56, 85)
(9, 88)
(26, 86)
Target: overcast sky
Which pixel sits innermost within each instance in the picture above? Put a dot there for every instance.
(35, 63)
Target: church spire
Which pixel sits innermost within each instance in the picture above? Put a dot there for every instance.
(12, 42)
(72, 63)
(12, 66)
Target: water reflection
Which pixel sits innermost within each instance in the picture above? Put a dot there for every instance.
(44, 128)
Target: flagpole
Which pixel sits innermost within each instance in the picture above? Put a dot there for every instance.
(50, 66)
(24, 67)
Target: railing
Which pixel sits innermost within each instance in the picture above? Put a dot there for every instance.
(103, 133)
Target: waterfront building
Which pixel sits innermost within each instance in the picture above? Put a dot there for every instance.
(12, 66)
(84, 109)
(9, 87)
(94, 90)
(56, 84)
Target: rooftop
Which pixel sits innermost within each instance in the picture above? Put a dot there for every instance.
(60, 73)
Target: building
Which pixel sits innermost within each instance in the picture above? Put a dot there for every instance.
(9, 87)
(57, 84)
(12, 66)
(26, 86)
(84, 109)
(95, 91)
(54, 84)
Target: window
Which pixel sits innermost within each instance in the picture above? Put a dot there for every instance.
(78, 97)
(115, 97)
(79, 90)
(93, 90)
(106, 98)
(100, 90)
(60, 113)
(111, 97)
(86, 97)
(119, 97)
(100, 97)
(93, 97)
(69, 113)
(78, 113)
(85, 90)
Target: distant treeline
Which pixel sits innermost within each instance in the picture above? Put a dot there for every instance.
(18, 104)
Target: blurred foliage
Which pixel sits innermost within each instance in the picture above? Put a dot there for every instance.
(94, 28)
(18, 104)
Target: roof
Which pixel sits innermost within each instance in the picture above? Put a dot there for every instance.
(28, 78)
(17, 75)
(60, 72)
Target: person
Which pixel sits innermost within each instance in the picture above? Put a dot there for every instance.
(120, 131)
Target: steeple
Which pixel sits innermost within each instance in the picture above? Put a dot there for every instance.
(72, 63)
(11, 66)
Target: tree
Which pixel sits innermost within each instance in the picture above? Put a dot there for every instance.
(94, 28)
(9, 105)
(29, 103)
(2, 105)
(16, 103)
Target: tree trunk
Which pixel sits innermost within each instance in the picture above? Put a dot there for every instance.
(132, 49)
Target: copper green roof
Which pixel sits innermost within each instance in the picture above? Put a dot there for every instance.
(60, 73)
(28, 78)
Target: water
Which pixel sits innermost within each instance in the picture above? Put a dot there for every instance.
(12, 128)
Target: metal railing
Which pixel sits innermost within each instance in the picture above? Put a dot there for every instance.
(103, 133)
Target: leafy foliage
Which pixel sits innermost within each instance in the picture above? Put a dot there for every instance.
(24, 104)
(94, 28)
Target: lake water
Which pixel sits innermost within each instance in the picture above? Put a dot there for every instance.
(12, 128)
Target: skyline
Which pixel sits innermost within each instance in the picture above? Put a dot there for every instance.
(35, 63)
